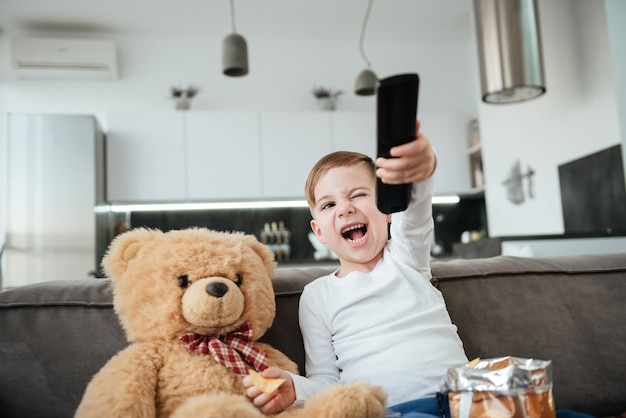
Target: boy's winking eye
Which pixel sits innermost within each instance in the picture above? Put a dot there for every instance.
(355, 194)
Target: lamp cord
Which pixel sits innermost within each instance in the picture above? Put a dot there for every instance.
(232, 15)
(363, 27)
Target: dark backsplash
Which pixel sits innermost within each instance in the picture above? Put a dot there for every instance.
(250, 221)
(450, 222)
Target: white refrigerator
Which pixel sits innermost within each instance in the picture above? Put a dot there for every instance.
(54, 180)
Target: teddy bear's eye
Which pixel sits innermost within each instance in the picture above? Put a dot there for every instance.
(183, 281)
(238, 280)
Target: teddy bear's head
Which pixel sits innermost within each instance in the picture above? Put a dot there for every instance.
(190, 281)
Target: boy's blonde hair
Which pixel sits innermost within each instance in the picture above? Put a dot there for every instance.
(333, 160)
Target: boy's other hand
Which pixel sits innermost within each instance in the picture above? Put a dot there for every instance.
(414, 161)
(278, 400)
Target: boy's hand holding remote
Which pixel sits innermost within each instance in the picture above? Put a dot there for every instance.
(412, 162)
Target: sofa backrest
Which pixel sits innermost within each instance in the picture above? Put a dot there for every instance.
(54, 336)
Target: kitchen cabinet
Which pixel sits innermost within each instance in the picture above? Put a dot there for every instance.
(476, 167)
(447, 133)
(475, 156)
(146, 157)
(214, 156)
(223, 150)
(354, 131)
(292, 142)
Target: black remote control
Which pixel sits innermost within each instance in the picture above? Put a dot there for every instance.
(396, 113)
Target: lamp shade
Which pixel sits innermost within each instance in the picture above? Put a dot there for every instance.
(365, 84)
(234, 55)
(509, 50)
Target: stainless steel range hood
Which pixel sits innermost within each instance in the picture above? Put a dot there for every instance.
(509, 49)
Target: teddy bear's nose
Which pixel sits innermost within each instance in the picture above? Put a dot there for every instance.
(217, 289)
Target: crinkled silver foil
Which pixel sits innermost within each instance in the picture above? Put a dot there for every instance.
(518, 373)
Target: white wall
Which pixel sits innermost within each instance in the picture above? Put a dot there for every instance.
(2, 168)
(577, 116)
(616, 13)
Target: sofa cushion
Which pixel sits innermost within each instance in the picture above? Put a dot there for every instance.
(61, 333)
(566, 309)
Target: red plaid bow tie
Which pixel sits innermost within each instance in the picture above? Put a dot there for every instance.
(234, 350)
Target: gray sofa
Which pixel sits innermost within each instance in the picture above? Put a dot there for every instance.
(54, 336)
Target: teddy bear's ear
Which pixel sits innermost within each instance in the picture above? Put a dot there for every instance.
(266, 255)
(124, 248)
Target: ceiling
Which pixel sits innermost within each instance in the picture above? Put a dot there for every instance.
(426, 20)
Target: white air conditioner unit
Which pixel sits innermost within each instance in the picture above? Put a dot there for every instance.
(50, 58)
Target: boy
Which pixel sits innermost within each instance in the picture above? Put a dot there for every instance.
(377, 317)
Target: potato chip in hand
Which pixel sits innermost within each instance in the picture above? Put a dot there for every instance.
(264, 384)
(473, 363)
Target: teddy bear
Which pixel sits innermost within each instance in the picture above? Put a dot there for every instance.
(193, 304)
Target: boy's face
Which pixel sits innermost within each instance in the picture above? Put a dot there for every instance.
(346, 217)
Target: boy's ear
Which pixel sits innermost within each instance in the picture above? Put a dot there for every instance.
(317, 231)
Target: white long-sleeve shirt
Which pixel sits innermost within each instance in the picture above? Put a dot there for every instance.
(389, 326)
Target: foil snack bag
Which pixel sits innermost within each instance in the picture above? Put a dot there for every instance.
(505, 387)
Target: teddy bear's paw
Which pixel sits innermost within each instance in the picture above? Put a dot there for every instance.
(351, 400)
(218, 405)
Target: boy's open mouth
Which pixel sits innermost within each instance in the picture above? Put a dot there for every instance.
(354, 233)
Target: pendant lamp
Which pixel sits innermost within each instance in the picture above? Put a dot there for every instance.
(509, 50)
(365, 84)
(234, 50)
